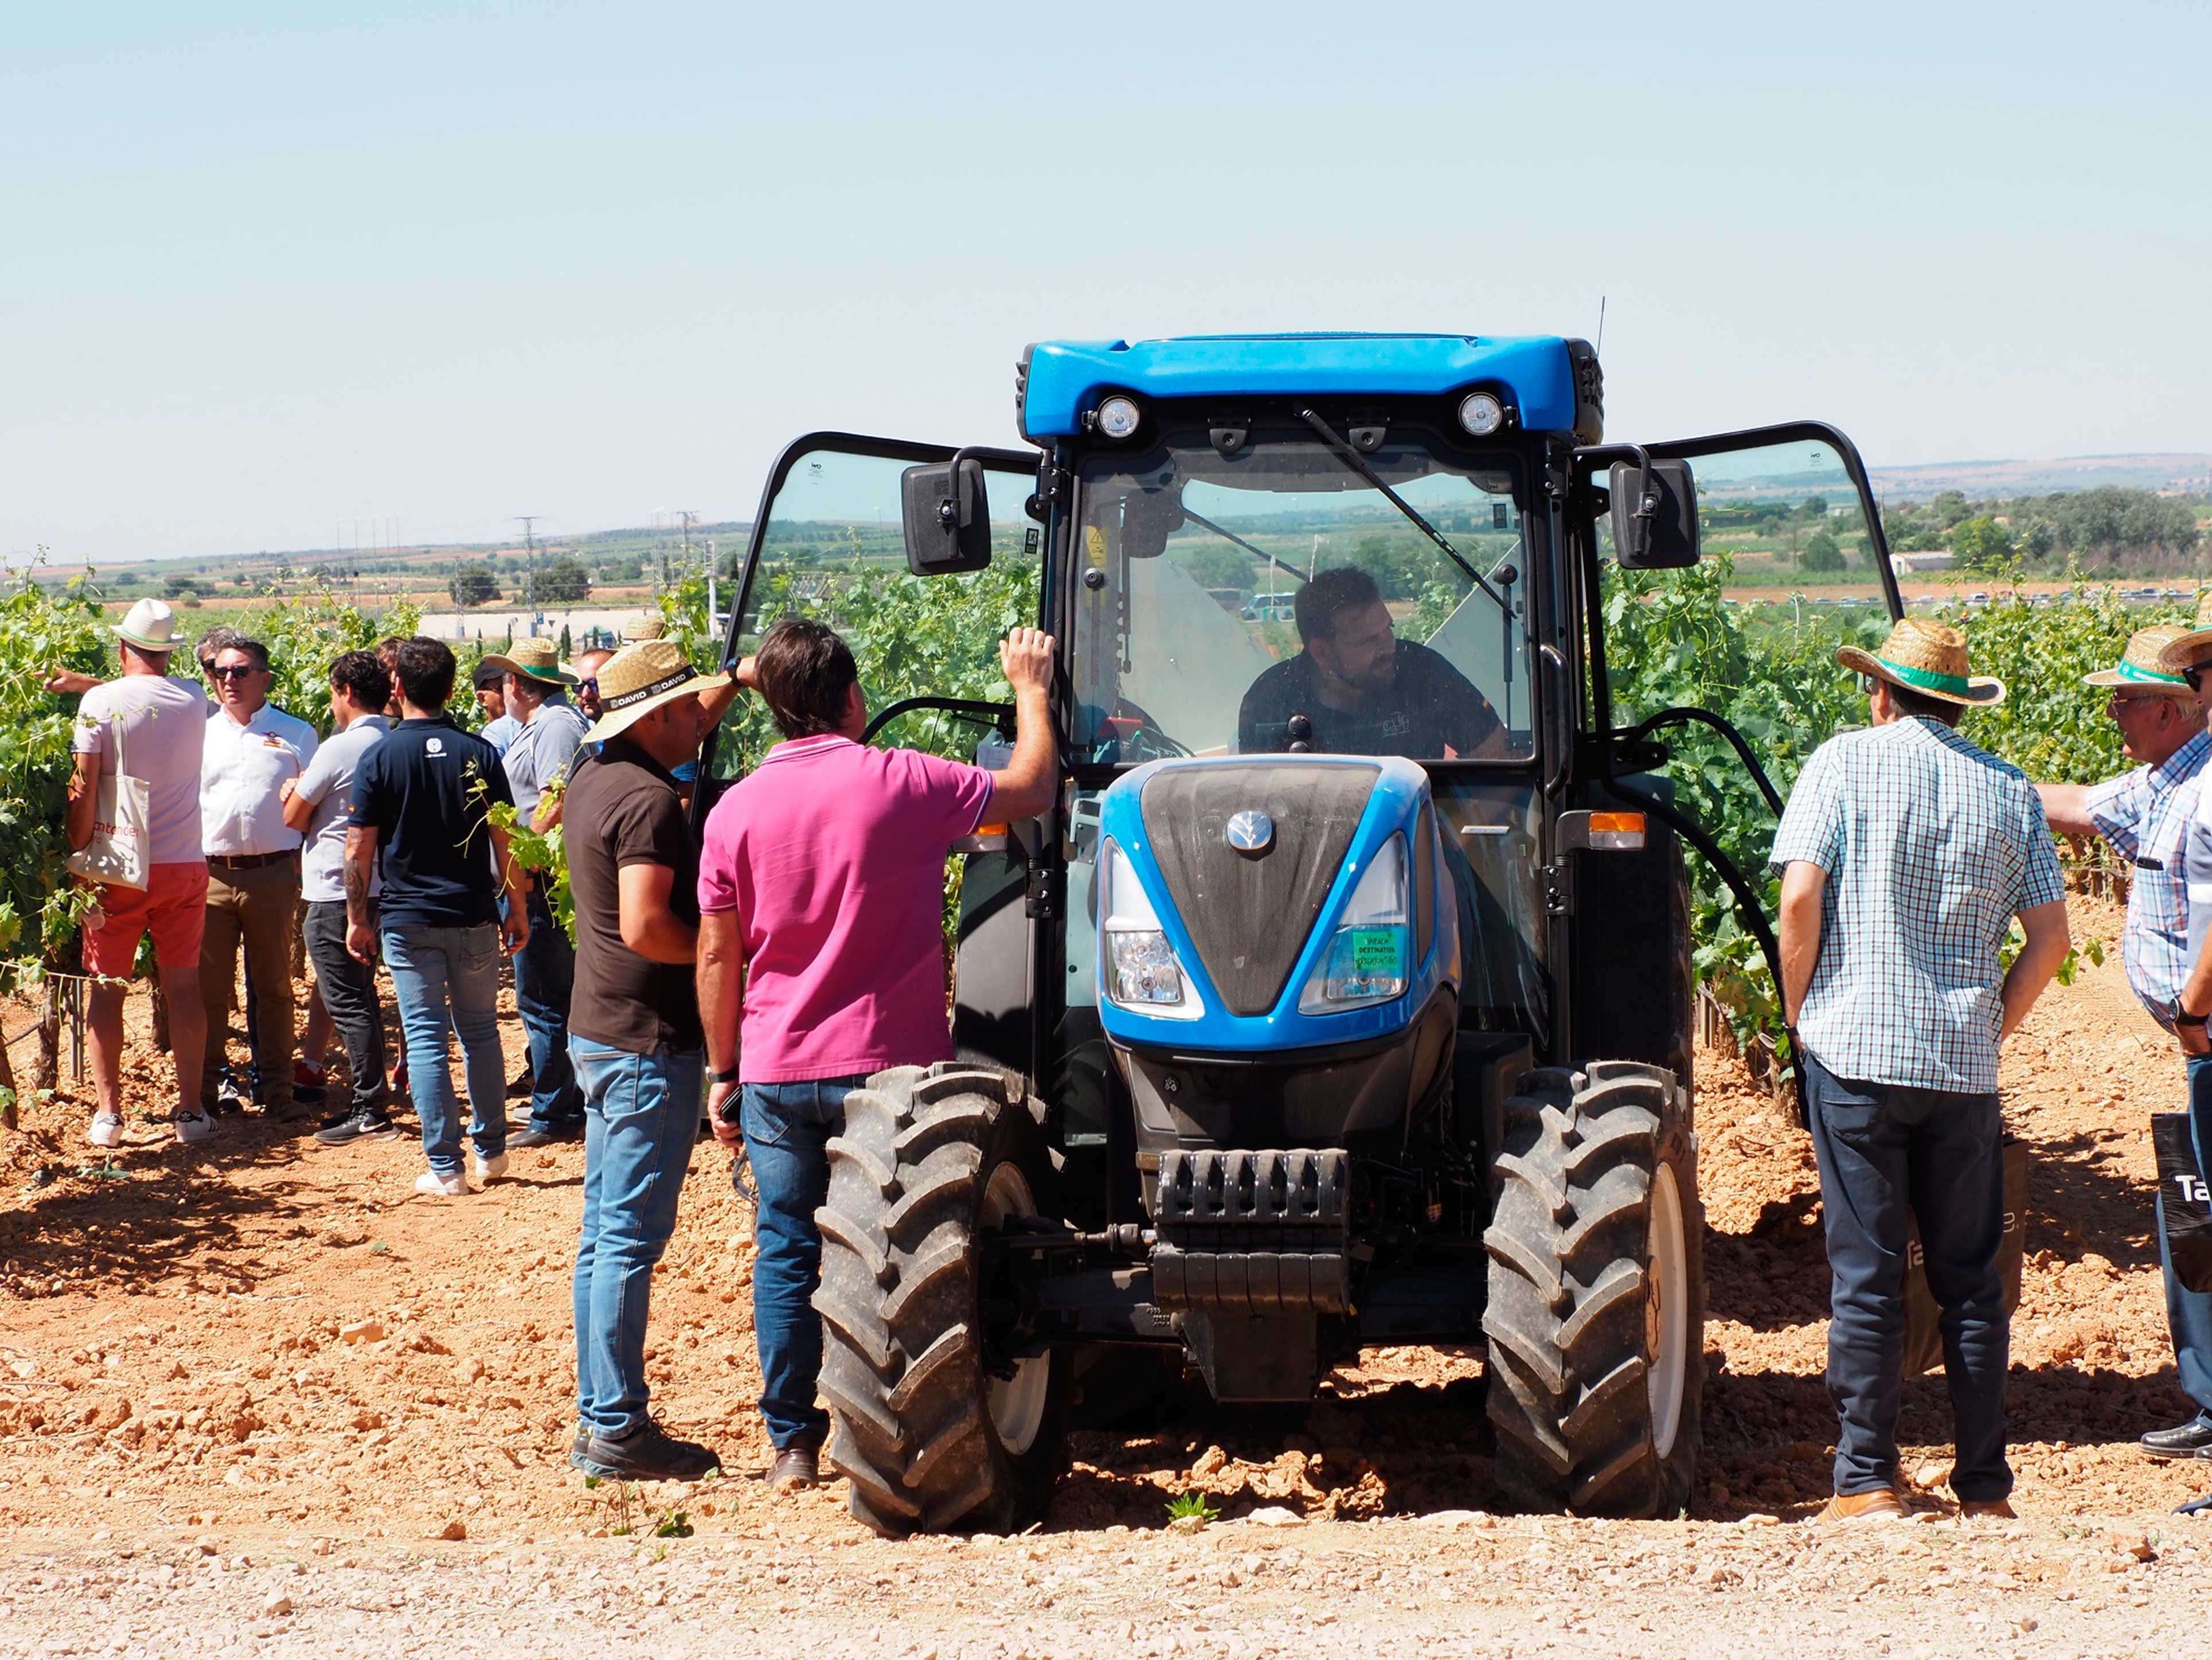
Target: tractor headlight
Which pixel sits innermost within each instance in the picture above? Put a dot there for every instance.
(1118, 417)
(1370, 957)
(1141, 970)
(1481, 414)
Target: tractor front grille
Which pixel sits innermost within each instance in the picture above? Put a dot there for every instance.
(1258, 1232)
(1249, 915)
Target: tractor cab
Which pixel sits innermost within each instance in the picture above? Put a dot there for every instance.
(1345, 997)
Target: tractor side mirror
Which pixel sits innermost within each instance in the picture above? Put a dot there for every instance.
(1654, 514)
(948, 518)
(1149, 517)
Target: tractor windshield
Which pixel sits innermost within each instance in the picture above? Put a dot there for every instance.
(1189, 637)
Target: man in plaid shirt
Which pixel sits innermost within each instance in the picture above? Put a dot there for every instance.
(1905, 853)
(2145, 816)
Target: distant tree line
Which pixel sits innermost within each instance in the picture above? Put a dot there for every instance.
(2110, 526)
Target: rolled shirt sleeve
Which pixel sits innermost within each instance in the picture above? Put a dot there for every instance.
(2117, 808)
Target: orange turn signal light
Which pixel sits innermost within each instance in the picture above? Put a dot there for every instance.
(1623, 831)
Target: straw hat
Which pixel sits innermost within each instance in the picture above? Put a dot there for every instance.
(640, 678)
(2139, 670)
(651, 626)
(150, 626)
(2189, 649)
(533, 659)
(1929, 657)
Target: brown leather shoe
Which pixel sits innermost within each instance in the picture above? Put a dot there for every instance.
(1993, 1510)
(793, 1471)
(1882, 1504)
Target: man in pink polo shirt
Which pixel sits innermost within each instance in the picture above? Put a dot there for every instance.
(821, 889)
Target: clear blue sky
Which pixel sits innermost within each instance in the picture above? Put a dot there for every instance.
(266, 267)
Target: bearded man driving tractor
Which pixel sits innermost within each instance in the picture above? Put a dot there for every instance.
(1357, 688)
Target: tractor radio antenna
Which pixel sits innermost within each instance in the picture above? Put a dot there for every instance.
(1600, 346)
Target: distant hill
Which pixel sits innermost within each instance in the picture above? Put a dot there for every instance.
(1982, 480)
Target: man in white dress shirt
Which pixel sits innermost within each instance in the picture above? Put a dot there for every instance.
(252, 751)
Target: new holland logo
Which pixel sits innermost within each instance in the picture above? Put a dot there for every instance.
(1250, 831)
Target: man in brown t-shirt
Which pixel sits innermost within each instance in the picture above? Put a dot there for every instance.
(634, 1036)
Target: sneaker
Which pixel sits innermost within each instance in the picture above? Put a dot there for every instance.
(399, 1076)
(193, 1126)
(535, 1137)
(441, 1187)
(106, 1130)
(356, 1126)
(308, 1083)
(491, 1169)
(230, 1097)
(579, 1450)
(650, 1454)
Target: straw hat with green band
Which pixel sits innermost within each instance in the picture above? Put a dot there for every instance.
(2193, 647)
(2139, 670)
(1929, 657)
(640, 678)
(533, 659)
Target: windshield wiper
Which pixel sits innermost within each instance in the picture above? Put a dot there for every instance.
(1353, 459)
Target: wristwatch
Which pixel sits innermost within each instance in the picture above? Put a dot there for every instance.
(729, 1073)
(2182, 1017)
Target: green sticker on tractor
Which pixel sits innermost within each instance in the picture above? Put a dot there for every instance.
(1375, 952)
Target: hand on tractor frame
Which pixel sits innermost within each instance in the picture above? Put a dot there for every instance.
(1026, 656)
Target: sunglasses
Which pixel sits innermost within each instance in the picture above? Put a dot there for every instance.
(231, 671)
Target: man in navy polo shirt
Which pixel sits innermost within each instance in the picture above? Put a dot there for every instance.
(421, 805)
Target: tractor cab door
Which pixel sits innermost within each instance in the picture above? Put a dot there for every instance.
(829, 543)
(1689, 550)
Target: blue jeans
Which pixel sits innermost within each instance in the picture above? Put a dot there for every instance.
(2189, 1313)
(788, 1129)
(544, 975)
(640, 1117)
(451, 975)
(1883, 1148)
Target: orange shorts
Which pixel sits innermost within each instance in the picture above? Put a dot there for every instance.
(172, 908)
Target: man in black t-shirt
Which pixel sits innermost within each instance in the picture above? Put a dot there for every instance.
(635, 1035)
(421, 805)
(1361, 689)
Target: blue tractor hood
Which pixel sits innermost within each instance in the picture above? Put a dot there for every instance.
(1552, 383)
(1196, 802)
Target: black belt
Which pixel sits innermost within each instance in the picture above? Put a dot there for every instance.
(248, 861)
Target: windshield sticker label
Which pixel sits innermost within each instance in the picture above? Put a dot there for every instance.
(1375, 952)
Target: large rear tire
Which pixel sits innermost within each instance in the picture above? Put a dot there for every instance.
(1597, 1308)
(931, 1160)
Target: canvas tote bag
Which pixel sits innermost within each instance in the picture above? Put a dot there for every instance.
(1923, 1333)
(121, 820)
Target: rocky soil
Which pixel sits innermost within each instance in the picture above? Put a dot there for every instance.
(259, 1370)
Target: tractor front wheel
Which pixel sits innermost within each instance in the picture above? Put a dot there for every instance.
(937, 1419)
(1596, 1309)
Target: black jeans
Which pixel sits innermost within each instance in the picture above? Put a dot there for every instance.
(348, 987)
(1882, 1148)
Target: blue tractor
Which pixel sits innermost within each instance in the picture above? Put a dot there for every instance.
(1345, 998)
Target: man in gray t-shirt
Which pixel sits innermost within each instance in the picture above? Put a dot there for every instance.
(319, 804)
(536, 689)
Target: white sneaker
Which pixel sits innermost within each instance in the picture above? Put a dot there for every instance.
(441, 1187)
(194, 1126)
(106, 1130)
(491, 1169)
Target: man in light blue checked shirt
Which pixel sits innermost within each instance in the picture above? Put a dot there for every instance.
(2145, 815)
(1905, 853)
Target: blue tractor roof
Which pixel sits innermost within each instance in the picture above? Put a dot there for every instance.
(1066, 378)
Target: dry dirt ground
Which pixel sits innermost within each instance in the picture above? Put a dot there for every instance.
(258, 1394)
